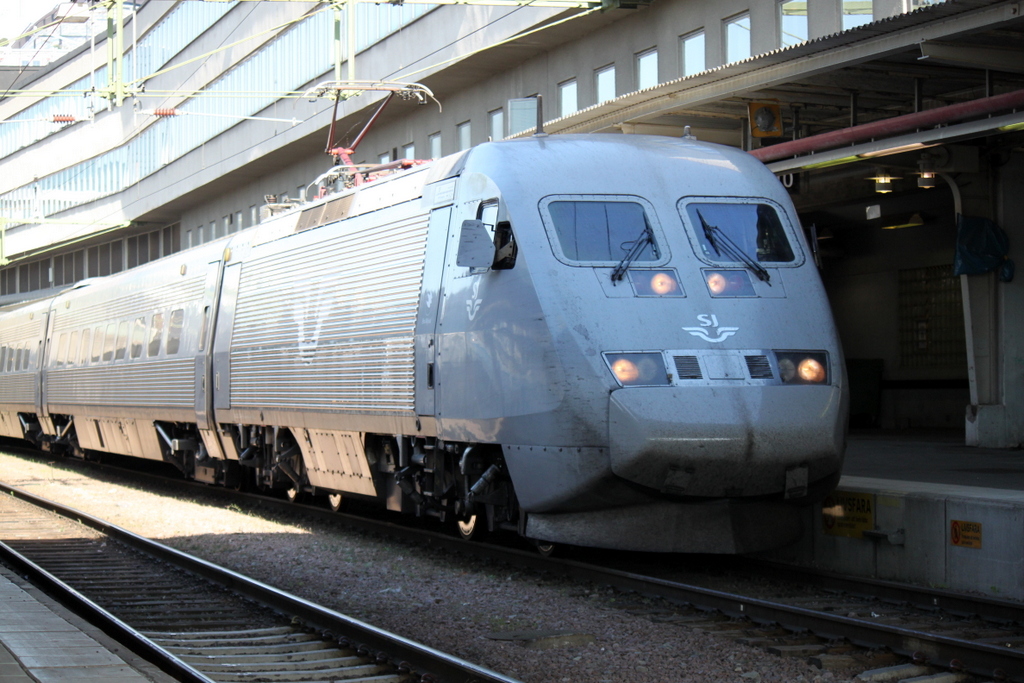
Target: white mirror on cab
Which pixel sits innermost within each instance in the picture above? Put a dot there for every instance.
(476, 248)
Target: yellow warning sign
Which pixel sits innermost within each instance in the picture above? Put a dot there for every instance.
(965, 534)
(845, 513)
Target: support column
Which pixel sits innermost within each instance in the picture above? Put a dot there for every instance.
(994, 314)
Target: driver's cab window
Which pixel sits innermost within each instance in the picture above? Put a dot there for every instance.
(499, 229)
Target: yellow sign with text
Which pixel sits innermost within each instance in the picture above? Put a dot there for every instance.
(965, 534)
(849, 514)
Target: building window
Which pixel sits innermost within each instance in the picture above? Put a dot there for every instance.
(409, 151)
(647, 69)
(496, 124)
(604, 83)
(463, 135)
(792, 22)
(384, 158)
(931, 318)
(435, 145)
(567, 102)
(737, 38)
(691, 51)
(856, 13)
(522, 114)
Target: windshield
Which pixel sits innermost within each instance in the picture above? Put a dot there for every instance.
(603, 231)
(754, 229)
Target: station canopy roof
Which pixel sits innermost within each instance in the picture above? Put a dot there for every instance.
(955, 52)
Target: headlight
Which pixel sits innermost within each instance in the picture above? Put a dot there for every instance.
(638, 369)
(728, 282)
(655, 283)
(803, 367)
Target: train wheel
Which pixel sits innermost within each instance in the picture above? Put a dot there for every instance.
(545, 549)
(335, 501)
(468, 528)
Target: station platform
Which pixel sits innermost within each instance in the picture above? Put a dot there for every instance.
(42, 642)
(922, 508)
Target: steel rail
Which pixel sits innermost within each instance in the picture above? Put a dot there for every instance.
(443, 666)
(939, 651)
(927, 648)
(101, 618)
(992, 609)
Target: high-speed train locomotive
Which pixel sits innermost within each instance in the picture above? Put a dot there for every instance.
(614, 341)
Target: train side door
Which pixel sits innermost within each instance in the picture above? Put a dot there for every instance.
(203, 358)
(427, 314)
(222, 337)
(42, 355)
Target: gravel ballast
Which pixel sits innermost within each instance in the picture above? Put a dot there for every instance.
(483, 613)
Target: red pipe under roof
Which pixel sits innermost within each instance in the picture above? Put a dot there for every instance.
(897, 124)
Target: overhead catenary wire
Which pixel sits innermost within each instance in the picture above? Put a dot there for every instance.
(294, 94)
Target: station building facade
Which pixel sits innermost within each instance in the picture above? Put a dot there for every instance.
(211, 111)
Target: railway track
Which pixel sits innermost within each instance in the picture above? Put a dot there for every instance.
(830, 619)
(200, 622)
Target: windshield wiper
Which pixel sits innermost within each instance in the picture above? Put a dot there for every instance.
(726, 247)
(634, 252)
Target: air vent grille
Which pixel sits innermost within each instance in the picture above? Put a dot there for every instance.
(687, 367)
(759, 367)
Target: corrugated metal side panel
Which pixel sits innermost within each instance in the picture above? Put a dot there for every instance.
(18, 388)
(331, 326)
(158, 383)
(130, 303)
(30, 330)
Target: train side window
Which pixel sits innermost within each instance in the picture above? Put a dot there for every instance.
(97, 344)
(73, 349)
(62, 349)
(122, 341)
(3, 358)
(202, 330)
(156, 334)
(108, 342)
(18, 357)
(505, 249)
(177, 321)
(86, 343)
(487, 213)
(138, 335)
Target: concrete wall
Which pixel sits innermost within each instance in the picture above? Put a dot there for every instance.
(915, 542)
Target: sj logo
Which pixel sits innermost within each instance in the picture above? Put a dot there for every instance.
(709, 326)
(473, 304)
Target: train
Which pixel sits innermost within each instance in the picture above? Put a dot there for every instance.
(610, 341)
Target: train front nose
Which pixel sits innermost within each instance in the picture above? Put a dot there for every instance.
(726, 442)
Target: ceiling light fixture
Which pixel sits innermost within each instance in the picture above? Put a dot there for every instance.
(883, 182)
